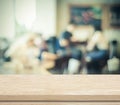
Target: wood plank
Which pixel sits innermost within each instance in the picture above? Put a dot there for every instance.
(60, 103)
(60, 87)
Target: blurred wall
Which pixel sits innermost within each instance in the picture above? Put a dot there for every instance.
(46, 17)
(25, 12)
(63, 16)
(63, 9)
(7, 28)
(22, 11)
(51, 16)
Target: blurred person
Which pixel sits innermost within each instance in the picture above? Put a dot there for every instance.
(46, 57)
(97, 49)
(24, 52)
(68, 51)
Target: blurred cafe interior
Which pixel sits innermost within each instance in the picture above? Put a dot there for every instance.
(47, 37)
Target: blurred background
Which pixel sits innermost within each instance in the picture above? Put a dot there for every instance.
(59, 37)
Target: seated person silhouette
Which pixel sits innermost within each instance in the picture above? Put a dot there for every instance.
(97, 51)
(68, 51)
(46, 56)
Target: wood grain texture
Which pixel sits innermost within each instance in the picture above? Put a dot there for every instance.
(60, 103)
(58, 88)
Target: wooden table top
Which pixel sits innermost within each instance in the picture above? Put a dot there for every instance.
(60, 88)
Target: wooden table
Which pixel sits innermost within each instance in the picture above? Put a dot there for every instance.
(60, 90)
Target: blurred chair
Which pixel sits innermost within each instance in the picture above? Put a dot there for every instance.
(113, 49)
(114, 61)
